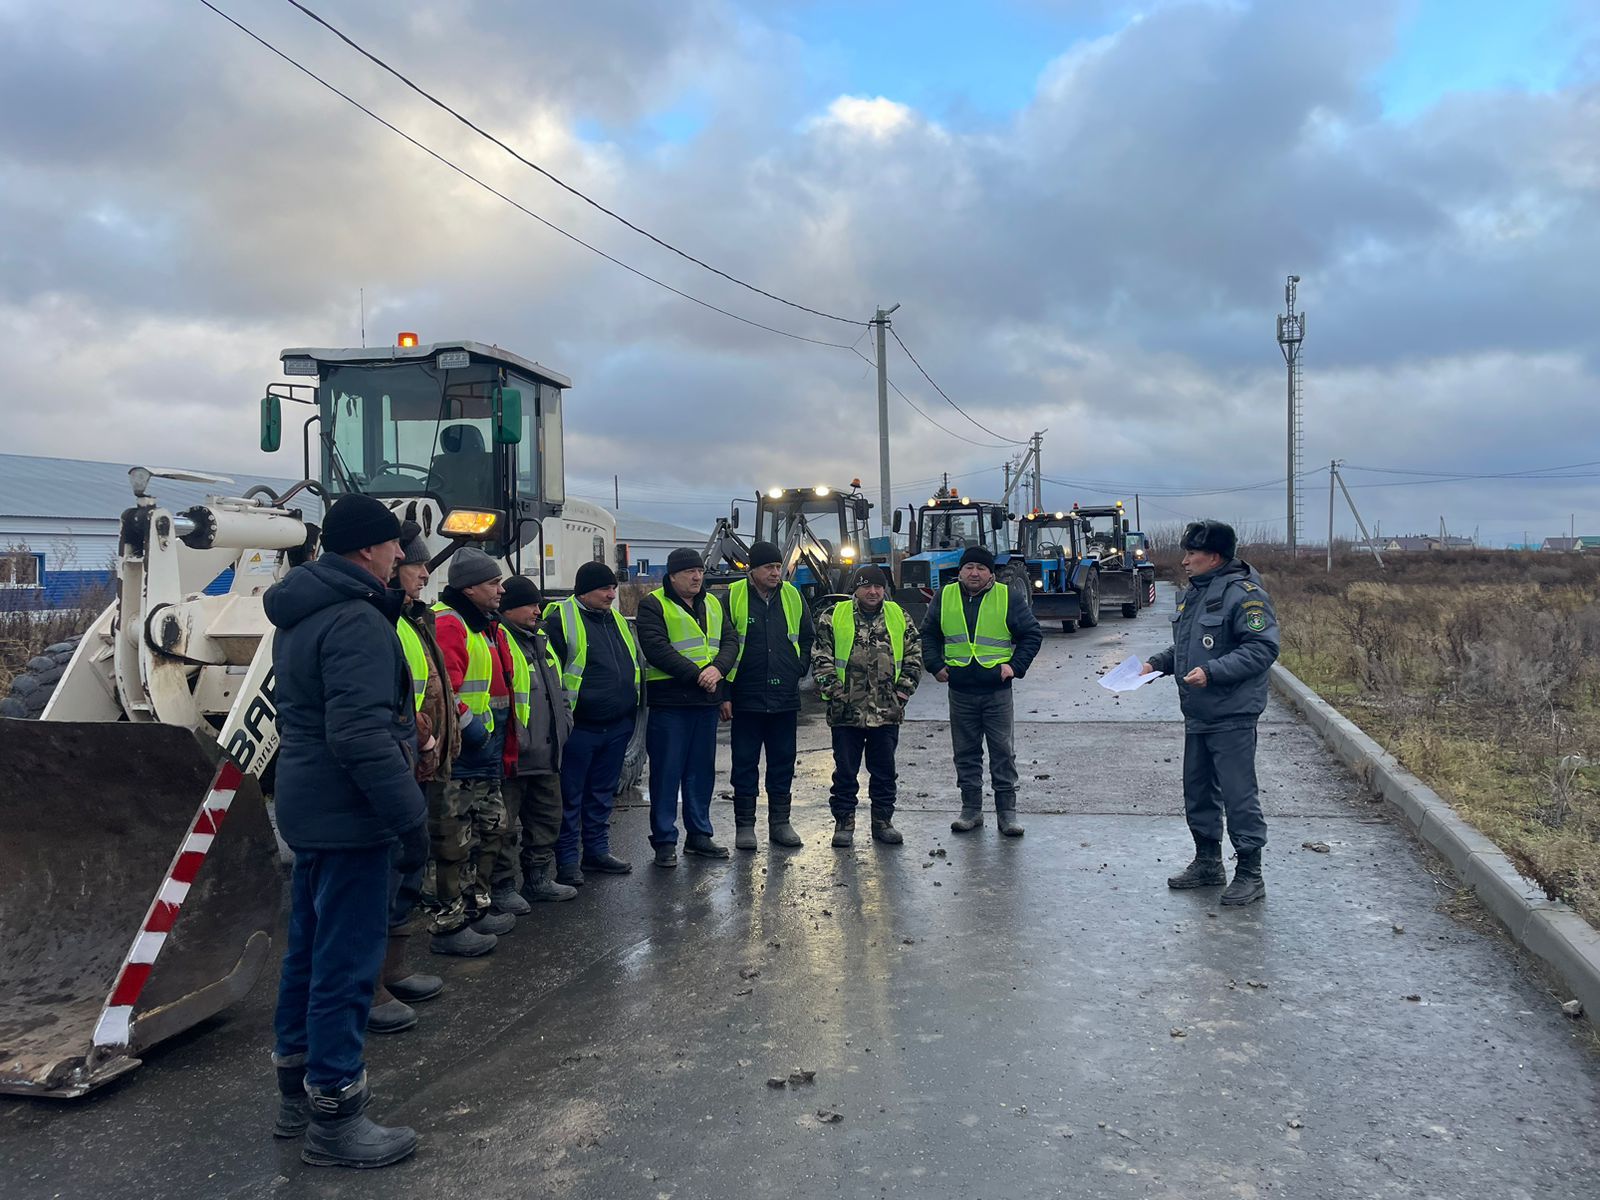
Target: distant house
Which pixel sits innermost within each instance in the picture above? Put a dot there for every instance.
(60, 519)
(1571, 545)
(650, 541)
(1422, 543)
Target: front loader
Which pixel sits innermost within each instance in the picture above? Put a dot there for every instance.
(142, 888)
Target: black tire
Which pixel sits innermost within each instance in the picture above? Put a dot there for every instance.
(1130, 610)
(1089, 602)
(32, 687)
(633, 761)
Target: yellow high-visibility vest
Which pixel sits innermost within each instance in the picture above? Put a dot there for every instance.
(698, 645)
(474, 689)
(577, 639)
(739, 610)
(416, 659)
(991, 645)
(844, 634)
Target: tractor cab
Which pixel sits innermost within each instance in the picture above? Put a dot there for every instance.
(1050, 536)
(941, 531)
(463, 438)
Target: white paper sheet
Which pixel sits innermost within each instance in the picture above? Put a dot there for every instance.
(1125, 677)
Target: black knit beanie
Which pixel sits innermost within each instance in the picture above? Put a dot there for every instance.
(355, 522)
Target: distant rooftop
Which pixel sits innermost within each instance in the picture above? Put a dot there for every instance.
(76, 489)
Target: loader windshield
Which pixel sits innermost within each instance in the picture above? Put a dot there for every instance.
(409, 430)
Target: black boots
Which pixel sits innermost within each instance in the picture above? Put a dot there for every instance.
(1205, 871)
(1247, 886)
(700, 844)
(744, 822)
(402, 982)
(539, 884)
(883, 830)
(341, 1136)
(971, 815)
(1006, 818)
(779, 831)
(294, 1109)
(844, 831)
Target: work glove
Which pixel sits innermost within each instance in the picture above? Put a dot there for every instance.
(474, 732)
(412, 852)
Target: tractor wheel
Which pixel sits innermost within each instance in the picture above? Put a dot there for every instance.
(32, 687)
(1015, 576)
(1130, 610)
(1089, 603)
(633, 759)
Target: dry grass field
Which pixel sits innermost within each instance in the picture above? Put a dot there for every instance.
(1480, 672)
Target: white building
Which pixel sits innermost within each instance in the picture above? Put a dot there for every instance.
(650, 541)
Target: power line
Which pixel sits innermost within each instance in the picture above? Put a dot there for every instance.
(958, 436)
(559, 182)
(464, 173)
(941, 391)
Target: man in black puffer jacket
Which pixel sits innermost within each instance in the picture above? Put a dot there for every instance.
(347, 804)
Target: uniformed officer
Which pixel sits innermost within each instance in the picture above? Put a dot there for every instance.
(1225, 639)
(868, 662)
(774, 632)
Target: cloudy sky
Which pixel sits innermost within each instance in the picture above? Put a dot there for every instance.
(1086, 211)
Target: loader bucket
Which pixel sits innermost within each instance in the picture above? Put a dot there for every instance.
(138, 895)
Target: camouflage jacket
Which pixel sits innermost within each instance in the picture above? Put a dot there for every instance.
(867, 695)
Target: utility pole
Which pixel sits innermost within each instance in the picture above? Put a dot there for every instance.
(1038, 473)
(1136, 518)
(616, 491)
(1291, 332)
(1333, 478)
(880, 323)
(1362, 525)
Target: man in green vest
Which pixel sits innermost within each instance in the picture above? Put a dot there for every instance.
(868, 662)
(980, 636)
(772, 626)
(544, 720)
(689, 647)
(603, 678)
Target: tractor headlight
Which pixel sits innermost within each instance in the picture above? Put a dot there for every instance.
(1038, 583)
(775, 493)
(469, 523)
(847, 553)
(822, 489)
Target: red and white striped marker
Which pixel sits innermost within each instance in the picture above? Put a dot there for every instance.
(113, 1028)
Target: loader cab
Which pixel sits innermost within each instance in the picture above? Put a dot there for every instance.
(837, 519)
(472, 428)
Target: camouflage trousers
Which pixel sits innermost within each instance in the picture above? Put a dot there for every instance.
(467, 823)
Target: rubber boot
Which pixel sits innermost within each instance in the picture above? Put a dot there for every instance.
(497, 924)
(666, 856)
(1205, 871)
(541, 885)
(388, 1015)
(403, 984)
(341, 1135)
(702, 845)
(1247, 886)
(1006, 818)
(883, 830)
(971, 815)
(744, 822)
(294, 1109)
(779, 831)
(463, 943)
(569, 875)
(606, 864)
(504, 898)
(844, 831)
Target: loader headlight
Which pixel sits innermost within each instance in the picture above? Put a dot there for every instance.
(822, 489)
(469, 523)
(775, 493)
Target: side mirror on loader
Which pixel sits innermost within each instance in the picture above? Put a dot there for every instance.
(895, 523)
(734, 518)
(507, 416)
(271, 423)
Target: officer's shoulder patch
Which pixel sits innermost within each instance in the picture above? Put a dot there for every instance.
(1249, 604)
(1256, 621)
(1248, 586)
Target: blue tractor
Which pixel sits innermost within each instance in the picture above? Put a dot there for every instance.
(941, 531)
(1054, 566)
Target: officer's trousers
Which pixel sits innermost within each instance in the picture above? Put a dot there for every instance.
(338, 930)
(1219, 777)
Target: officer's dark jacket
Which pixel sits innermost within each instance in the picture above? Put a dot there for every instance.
(1229, 608)
(1026, 638)
(345, 710)
(681, 691)
(609, 691)
(770, 673)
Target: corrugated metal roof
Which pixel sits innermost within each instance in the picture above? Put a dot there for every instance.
(72, 488)
(632, 527)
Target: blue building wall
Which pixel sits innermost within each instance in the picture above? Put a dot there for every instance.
(77, 589)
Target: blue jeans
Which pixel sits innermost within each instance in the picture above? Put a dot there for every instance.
(591, 765)
(338, 930)
(682, 746)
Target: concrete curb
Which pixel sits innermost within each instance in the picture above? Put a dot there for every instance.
(1548, 929)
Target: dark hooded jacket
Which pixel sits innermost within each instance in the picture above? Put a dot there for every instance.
(346, 765)
(1225, 624)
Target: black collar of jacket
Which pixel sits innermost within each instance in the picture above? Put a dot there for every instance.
(468, 611)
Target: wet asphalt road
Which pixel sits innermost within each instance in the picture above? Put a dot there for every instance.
(1008, 1018)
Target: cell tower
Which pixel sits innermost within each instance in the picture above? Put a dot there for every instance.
(1291, 332)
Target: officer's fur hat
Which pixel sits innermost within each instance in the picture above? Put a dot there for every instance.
(1214, 537)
